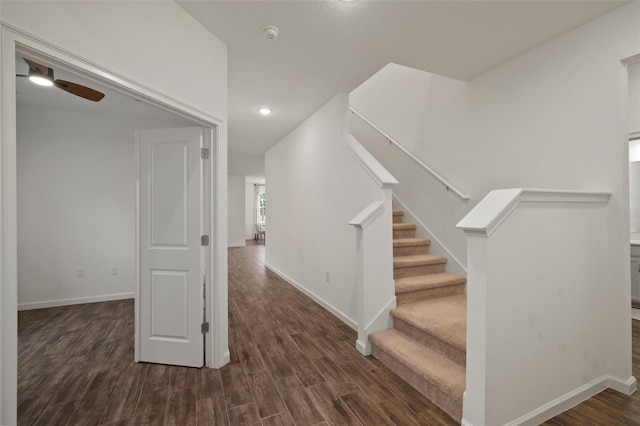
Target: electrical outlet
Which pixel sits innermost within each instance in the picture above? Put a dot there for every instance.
(327, 276)
(113, 270)
(80, 272)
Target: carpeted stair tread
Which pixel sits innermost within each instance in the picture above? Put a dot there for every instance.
(428, 281)
(404, 226)
(410, 242)
(444, 318)
(417, 260)
(427, 364)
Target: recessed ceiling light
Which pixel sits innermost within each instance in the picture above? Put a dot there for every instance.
(265, 111)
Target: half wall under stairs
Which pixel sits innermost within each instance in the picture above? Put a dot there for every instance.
(427, 345)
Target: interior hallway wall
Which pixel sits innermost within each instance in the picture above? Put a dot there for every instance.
(76, 205)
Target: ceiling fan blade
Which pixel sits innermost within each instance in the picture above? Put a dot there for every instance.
(41, 68)
(79, 90)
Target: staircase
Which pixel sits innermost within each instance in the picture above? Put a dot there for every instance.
(427, 345)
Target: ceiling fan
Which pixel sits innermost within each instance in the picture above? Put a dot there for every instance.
(43, 76)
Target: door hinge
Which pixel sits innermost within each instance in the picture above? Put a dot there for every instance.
(204, 327)
(204, 153)
(204, 240)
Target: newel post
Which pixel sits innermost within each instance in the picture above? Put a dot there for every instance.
(374, 271)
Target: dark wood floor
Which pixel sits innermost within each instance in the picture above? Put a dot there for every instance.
(292, 363)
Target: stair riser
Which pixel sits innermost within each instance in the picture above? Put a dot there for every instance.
(449, 404)
(435, 344)
(408, 251)
(404, 233)
(432, 293)
(397, 219)
(418, 270)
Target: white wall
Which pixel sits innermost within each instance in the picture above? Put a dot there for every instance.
(76, 205)
(544, 119)
(551, 118)
(127, 39)
(241, 163)
(634, 98)
(236, 205)
(131, 38)
(429, 116)
(314, 188)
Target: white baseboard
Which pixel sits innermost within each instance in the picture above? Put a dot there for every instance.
(236, 245)
(364, 347)
(74, 301)
(570, 400)
(626, 387)
(350, 322)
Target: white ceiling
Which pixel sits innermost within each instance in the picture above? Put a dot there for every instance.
(328, 46)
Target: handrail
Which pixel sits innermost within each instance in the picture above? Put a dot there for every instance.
(492, 210)
(448, 186)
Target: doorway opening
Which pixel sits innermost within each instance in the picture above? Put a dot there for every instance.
(24, 45)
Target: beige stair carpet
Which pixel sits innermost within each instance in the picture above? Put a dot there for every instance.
(427, 346)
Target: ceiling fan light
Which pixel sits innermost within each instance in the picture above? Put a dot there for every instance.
(39, 78)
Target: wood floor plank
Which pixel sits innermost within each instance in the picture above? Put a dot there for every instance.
(304, 369)
(123, 402)
(236, 388)
(208, 383)
(265, 393)
(332, 408)
(244, 415)
(298, 402)
(399, 413)
(365, 410)
(212, 411)
(283, 419)
(334, 376)
(366, 381)
(181, 407)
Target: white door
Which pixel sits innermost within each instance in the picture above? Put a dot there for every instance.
(170, 223)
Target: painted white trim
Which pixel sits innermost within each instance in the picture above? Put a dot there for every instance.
(218, 293)
(382, 321)
(489, 213)
(61, 57)
(457, 267)
(329, 307)
(74, 301)
(626, 387)
(383, 178)
(236, 245)
(368, 214)
(570, 400)
(448, 186)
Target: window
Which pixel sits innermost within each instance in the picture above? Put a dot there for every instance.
(262, 212)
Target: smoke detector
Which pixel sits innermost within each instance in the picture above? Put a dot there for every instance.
(270, 32)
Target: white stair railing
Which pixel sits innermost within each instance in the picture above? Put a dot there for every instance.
(548, 316)
(374, 245)
(447, 185)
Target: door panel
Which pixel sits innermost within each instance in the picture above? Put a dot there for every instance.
(170, 223)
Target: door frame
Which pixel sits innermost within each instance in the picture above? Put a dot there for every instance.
(16, 40)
